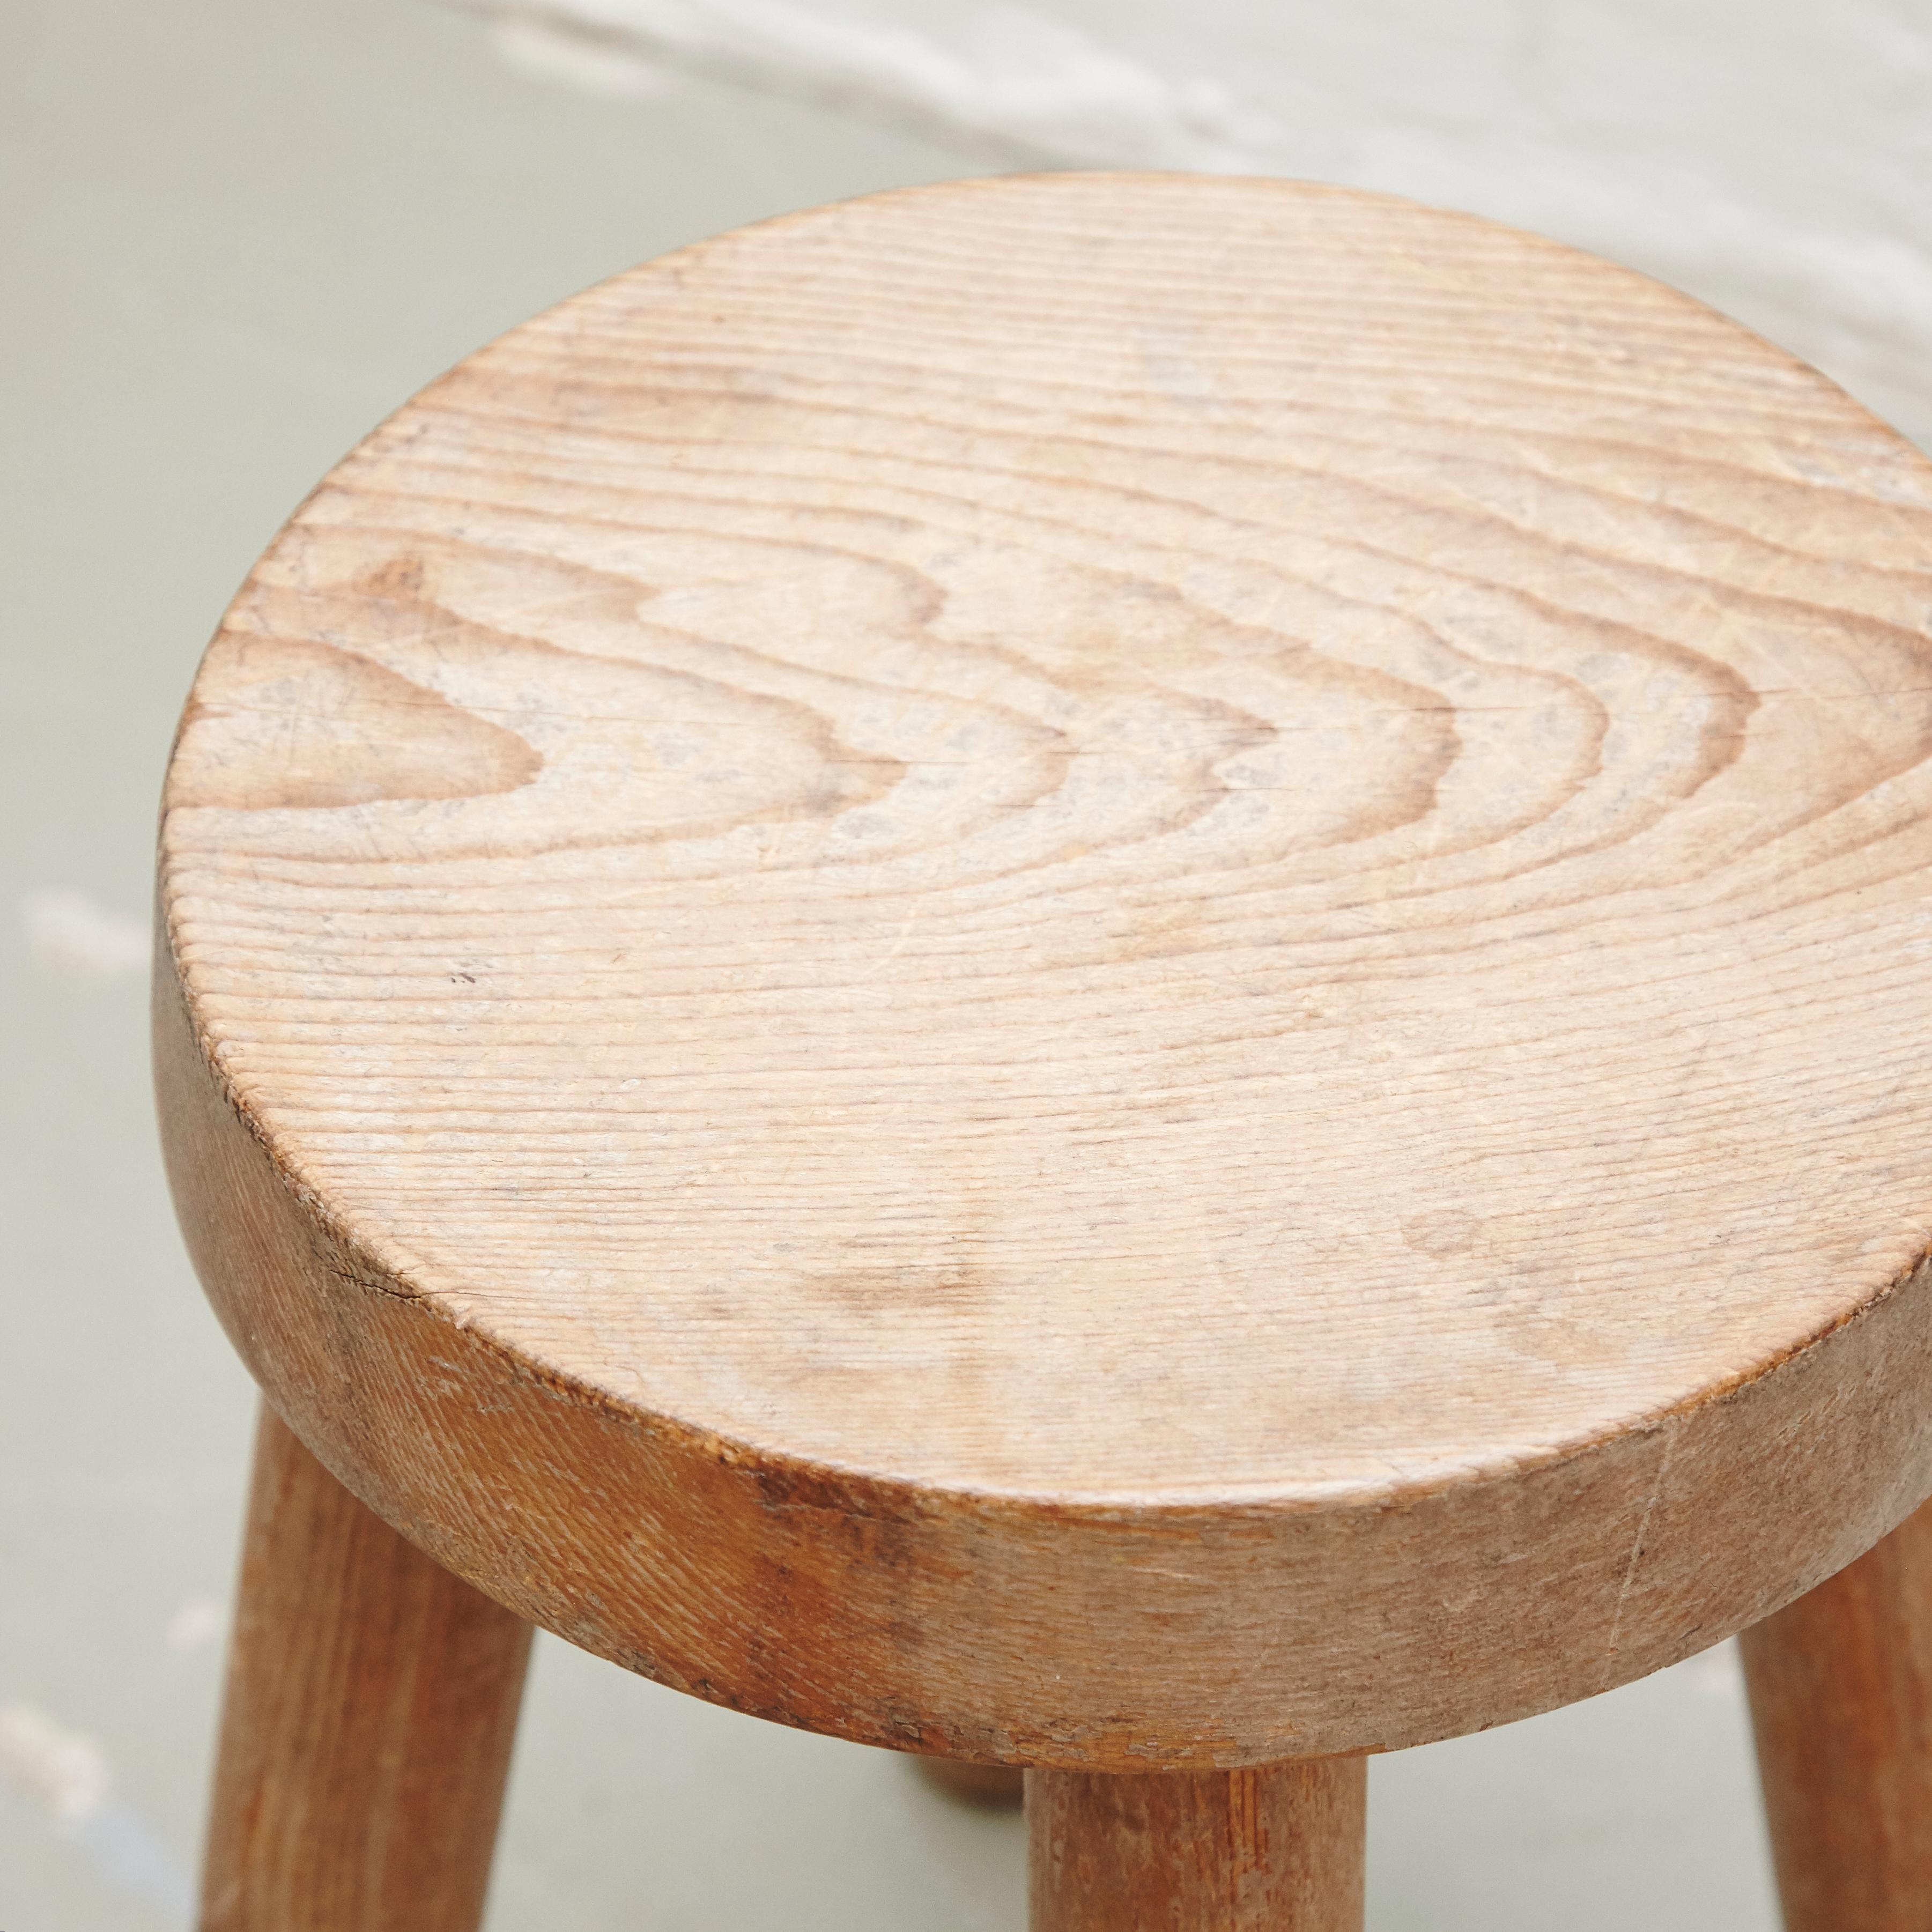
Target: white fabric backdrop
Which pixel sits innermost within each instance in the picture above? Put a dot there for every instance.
(1773, 156)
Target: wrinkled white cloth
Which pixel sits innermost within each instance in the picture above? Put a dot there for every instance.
(1769, 155)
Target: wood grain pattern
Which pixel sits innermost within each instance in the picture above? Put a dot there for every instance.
(1841, 1699)
(1276, 1850)
(365, 1736)
(1117, 972)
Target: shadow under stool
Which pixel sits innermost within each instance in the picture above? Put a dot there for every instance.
(1120, 974)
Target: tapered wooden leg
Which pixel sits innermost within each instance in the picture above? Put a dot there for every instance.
(1237, 1851)
(365, 1738)
(1841, 1697)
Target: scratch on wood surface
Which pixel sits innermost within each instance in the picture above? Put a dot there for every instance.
(1636, 1548)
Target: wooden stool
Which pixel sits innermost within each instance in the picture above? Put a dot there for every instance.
(1127, 975)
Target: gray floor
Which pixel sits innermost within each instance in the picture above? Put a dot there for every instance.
(236, 233)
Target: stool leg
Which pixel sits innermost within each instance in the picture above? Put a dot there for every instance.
(1279, 1849)
(1841, 1698)
(366, 1732)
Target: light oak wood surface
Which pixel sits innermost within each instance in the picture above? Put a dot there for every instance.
(1841, 1701)
(365, 1739)
(1112, 972)
(1276, 1850)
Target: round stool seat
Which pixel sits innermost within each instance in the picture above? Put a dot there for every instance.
(1125, 972)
